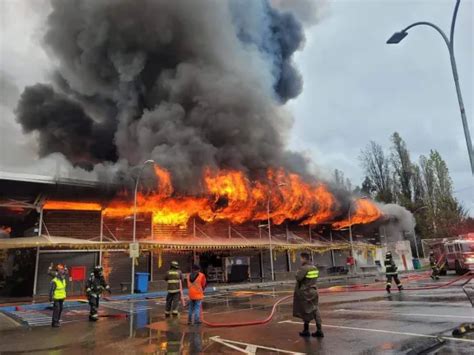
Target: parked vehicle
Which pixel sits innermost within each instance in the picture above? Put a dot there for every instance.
(459, 254)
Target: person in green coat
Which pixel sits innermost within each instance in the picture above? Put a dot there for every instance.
(306, 298)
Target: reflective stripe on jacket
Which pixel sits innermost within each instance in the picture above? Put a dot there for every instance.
(173, 277)
(196, 291)
(312, 273)
(390, 267)
(60, 289)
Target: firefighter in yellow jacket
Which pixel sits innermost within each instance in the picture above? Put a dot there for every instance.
(306, 297)
(173, 278)
(57, 295)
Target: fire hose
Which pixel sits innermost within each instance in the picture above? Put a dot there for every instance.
(326, 290)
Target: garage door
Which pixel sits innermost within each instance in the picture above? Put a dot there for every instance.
(87, 259)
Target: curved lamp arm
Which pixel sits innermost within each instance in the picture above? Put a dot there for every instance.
(432, 25)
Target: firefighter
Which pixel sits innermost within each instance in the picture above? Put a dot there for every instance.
(57, 294)
(306, 298)
(173, 278)
(391, 272)
(95, 285)
(434, 266)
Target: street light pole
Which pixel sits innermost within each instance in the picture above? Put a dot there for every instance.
(270, 239)
(134, 233)
(350, 239)
(270, 246)
(397, 37)
(350, 231)
(414, 233)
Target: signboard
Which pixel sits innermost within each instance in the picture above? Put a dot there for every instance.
(134, 250)
(78, 273)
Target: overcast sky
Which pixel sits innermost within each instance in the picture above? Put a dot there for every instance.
(356, 88)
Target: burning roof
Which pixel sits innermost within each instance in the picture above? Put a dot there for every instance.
(230, 195)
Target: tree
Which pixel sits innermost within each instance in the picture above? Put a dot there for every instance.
(340, 181)
(377, 169)
(443, 212)
(425, 188)
(402, 171)
(367, 187)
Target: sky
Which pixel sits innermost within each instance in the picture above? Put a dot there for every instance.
(356, 87)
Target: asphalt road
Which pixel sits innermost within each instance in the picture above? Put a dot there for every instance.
(367, 322)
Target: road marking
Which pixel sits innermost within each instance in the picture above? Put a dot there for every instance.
(421, 303)
(387, 332)
(402, 314)
(250, 349)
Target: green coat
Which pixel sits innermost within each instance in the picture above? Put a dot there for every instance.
(305, 297)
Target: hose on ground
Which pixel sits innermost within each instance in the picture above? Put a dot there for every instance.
(326, 290)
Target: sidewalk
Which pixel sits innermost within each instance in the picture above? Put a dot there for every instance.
(40, 303)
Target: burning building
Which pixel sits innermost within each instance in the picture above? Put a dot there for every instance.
(199, 88)
(82, 224)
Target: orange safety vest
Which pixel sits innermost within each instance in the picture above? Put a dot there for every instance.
(195, 288)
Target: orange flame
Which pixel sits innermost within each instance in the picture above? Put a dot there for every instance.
(70, 205)
(365, 212)
(230, 195)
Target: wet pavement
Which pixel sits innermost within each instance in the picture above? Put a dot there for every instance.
(367, 322)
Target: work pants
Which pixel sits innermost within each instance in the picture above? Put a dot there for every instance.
(194, 311)
(94, 307)
(57, 310)
(395, 278)
(317, 318)
(172, 302)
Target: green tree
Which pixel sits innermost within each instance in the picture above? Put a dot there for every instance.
(377, 169)
(443, 213)
(402, 171)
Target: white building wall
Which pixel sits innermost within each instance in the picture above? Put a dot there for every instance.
(401, 252)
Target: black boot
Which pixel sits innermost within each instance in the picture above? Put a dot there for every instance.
(400, 287)
(305, 333)
(388, 288)
(318, 334)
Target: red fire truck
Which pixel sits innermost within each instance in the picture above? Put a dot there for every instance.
(454, 253)
(459, 254)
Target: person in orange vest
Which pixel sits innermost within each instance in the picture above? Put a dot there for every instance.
(196, 285)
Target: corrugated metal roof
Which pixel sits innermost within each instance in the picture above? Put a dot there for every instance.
(44, 179)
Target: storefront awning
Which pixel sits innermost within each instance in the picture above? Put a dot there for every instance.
(191, 244)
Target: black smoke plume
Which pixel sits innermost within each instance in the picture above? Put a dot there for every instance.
(187, 83)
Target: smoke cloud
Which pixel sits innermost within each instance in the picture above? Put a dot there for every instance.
(189, 84)
(400, 221)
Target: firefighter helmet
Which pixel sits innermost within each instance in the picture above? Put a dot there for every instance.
(174, 264)
(388, 254)
(98, 270)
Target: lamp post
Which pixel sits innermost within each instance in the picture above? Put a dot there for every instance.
(134, 233)
(350, 227)
(270, 233)
(397, 37)
(414, 234)
(350, 238)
